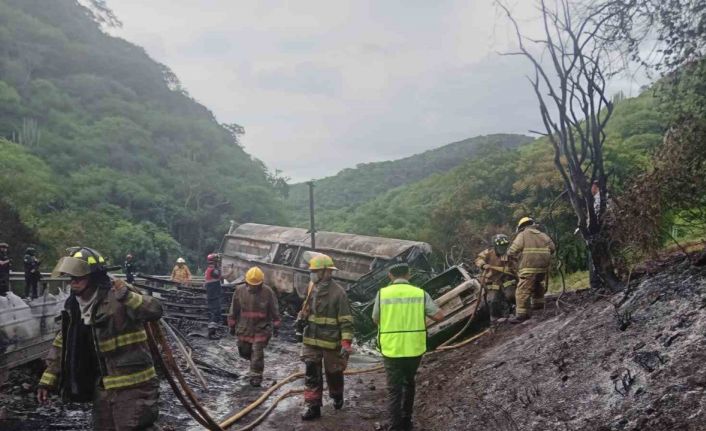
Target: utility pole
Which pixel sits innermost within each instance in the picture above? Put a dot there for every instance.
(312, 228)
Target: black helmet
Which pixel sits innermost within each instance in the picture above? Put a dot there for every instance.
(30, 251)
(79, 262)
(500, 242)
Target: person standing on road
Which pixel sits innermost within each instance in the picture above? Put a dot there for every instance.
(497, 276)
(214, 292)
(326, 323)
(129, 268)
(181, 273)
(101, 353)
(5, 266)
(533, 250)
(400, 312)
(32, 274)
(254, 315)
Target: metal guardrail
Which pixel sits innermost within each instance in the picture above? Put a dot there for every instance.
(17, 283)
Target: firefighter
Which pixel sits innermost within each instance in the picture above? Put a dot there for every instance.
(400, 312)
(533, 250)
(101, 353)
(498, 276)
(214, 293)
(327, 326)
(32, 274)
(180, 272)
(254, 314)
(5, 266)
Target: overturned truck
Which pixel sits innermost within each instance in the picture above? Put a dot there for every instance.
(363, 263)
(279, 251)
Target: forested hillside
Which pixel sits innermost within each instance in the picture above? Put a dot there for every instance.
(354, 186)
(457, 211)
(100, 145)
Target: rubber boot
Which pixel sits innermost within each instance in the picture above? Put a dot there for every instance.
(312, 412)
(255, 382)
(338, 402)
(518, 318)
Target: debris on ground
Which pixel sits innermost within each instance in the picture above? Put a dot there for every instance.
(598, 362)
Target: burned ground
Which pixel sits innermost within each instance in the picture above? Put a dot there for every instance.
(587, 365)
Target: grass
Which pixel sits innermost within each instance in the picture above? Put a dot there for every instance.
(574, 281)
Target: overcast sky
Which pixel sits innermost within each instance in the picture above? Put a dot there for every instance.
(324, 85)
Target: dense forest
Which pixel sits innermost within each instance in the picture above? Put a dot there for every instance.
(100, 145)
(458, 209)
(354, 186)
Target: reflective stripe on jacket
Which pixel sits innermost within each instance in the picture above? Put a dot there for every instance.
(498, 271)
(329, 319)
(256, 311)
(117, 327)
(534, 250)
(402, 332)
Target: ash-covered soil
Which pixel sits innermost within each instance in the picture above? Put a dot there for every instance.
(587, 365)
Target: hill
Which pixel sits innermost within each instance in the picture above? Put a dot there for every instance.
(101, 145)
(459, 209)
(351, 187)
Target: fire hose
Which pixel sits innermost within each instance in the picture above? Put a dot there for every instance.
(193, 406)
(183, 392)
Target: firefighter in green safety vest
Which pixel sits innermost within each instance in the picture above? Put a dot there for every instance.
(400, 312)
(101, 354)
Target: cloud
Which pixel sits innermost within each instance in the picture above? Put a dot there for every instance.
(323, 85)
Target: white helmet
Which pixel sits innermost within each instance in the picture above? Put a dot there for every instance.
(181, 260)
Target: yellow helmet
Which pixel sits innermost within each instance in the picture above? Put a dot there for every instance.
(254, 276)
(321, 261)
(524, 221)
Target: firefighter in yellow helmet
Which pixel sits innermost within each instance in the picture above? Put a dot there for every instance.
(254, 314)
(101, 353)
(533, 250)
(326, 324)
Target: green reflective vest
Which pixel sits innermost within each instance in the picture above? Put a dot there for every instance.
(402, 332)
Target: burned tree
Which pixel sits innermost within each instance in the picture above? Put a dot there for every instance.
(668, 38)
(575, 109)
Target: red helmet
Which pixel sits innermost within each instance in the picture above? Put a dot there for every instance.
(212, 257)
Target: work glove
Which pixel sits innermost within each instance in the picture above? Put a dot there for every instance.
(275, 331)
(231, 322)
(346, 348)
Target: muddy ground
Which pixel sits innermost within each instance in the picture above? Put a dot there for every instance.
(584, 365)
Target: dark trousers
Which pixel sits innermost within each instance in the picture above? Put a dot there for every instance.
(214, 293)
(400, 388)
(318, 362)
(31, 286)
(4, 283)
(131, 409)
